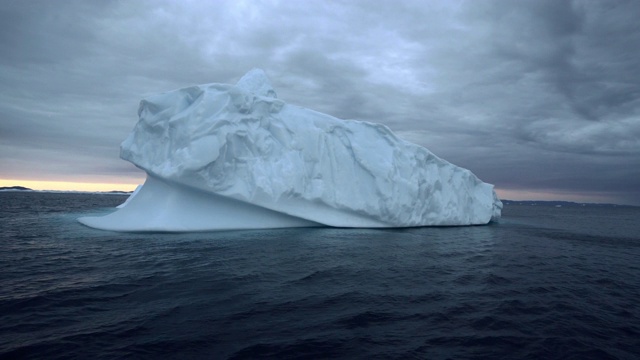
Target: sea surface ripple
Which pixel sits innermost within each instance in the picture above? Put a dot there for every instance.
(544, 283)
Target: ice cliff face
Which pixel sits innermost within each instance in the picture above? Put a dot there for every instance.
(243, 145)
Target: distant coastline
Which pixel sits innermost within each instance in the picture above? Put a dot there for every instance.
(26, 189)
(559, 203)
(16, 188)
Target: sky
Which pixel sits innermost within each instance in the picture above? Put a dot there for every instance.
(540, 98)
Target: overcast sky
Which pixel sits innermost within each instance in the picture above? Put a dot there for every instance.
(537, 97)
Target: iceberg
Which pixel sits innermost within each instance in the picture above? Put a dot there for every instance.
(226, 157)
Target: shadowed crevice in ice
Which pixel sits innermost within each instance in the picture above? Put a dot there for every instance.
(242, 149)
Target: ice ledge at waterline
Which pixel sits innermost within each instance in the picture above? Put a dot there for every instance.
(235, 157)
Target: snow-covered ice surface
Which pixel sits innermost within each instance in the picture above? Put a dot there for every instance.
(221, 156)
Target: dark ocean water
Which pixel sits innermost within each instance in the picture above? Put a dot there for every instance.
(544, 283)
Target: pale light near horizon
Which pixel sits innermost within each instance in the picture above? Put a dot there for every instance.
(67, 185)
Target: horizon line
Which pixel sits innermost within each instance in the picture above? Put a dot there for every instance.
(101, 187)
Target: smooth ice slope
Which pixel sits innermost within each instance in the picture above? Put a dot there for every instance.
(222, 156)
(165, 206)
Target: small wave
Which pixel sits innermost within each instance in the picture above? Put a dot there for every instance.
(300, 349)
(368, 318)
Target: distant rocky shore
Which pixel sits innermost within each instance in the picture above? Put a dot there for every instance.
(15, 188)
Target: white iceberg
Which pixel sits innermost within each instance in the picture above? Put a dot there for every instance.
(222, 157)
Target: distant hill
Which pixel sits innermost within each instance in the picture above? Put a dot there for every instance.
(15, 188)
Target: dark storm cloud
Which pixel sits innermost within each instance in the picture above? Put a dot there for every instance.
(530, 95)
(554, 86)
(43, 32)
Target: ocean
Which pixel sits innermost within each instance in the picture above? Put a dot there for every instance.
(545, 282)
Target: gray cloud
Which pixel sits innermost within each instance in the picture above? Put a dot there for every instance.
(530, 95)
